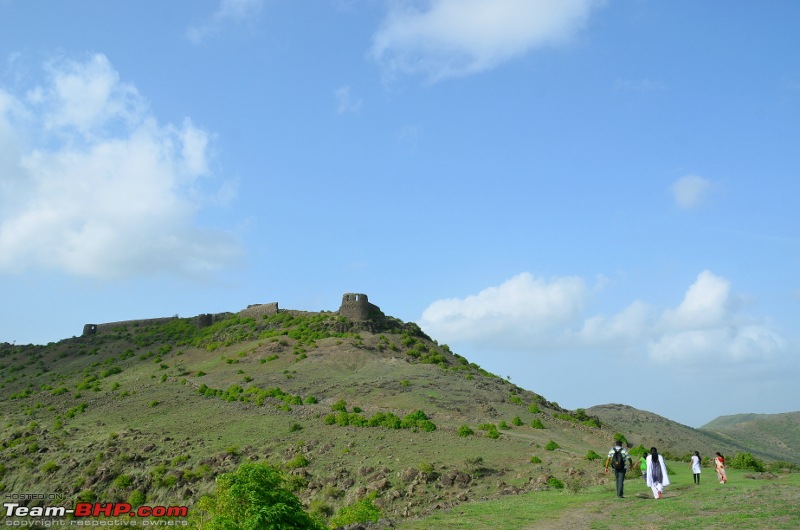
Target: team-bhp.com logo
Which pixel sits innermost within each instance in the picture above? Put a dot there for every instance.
(86, 514)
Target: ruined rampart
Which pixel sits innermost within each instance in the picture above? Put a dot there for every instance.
(355, 306)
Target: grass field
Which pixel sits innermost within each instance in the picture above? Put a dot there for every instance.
(771, 503)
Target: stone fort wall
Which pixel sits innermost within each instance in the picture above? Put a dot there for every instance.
(355, 306)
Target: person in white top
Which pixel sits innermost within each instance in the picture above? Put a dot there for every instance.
(657, 476)
(695, 465)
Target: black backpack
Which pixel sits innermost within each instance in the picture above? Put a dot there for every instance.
(618, 460)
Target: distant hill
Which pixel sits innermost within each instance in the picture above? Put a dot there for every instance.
(651, 430)
(347, 406)
(776, 434)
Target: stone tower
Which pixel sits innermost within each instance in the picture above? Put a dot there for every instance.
(356, 307)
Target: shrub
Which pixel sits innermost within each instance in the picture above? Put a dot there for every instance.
(362, 511)
(554, 483)
(621, 437)
(551, 446)
(136, 498)
(491, 430)
(50, 467)
(517, 421)
(537, 424)
(111, 371)
(536, 460)
(503, 425)
(254, 497)
(87, 496)
(465, 431)
(296, 462)
(123, 482)
(340, 406)
(746, 461)
(639, 450)
(426, 468)
(591, 455)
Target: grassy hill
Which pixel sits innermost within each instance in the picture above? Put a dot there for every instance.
(152, 412)
(772, 442)
(773, 434)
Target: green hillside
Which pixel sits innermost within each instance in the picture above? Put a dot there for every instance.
(152, 411)
(773, 434)
(650, 429)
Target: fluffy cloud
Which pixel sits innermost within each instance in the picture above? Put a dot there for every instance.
(535, 315)
(690, 190)
(518, 314)
(94, 186)
(459, 37)
(708, 326)
(229, 12)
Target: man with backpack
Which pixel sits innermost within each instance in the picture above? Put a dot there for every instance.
(617, 457)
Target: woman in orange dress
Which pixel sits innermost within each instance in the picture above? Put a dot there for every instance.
(719, 465)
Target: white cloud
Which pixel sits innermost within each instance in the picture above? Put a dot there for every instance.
(707, 325)
(707, 303)
(230, 12)
(98, 188)
(533, 315)
(689, 191)
(518, 311)
(460, 37)
(345, 102)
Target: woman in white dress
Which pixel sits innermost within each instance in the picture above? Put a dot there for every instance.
(657, 476)
(695, 465)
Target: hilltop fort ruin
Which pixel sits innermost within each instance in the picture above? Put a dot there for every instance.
(355, 307)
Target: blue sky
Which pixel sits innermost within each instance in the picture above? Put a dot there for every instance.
(560, 190)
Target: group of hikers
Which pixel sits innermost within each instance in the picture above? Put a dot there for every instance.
(654, 470)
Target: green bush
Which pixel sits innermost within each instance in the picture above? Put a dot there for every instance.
(254, 497)
(746, 461)
(517, 421)
(591, 455)
(639, 450)
(554, 483)
(296, 462)
(536, 460)
(491, 430)
(621, 437)
(50, 467)
(465, 431)
(537, 424)
(551, 446)
(362, 511)
(123, 482)
(136, 498)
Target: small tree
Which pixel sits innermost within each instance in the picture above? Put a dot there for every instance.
(254, 497)
(746, 461)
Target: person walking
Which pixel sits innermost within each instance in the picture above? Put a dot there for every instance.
(657, 476)
(695, 466)
(719, 466)
(617, 457)
(643, 466)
